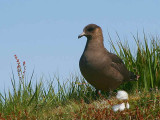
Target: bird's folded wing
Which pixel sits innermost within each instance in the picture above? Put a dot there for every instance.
(117, 63)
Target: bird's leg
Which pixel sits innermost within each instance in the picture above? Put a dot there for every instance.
(98, 93)
(110, 94)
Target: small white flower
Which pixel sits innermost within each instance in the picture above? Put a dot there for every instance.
(122, 107)
(115, 108)
(122, 95)
(127, 105)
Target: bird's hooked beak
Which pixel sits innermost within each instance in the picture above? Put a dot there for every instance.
(81, 35)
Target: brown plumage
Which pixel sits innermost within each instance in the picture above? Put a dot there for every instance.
(102, 69)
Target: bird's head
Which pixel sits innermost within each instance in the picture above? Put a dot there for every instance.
(91, 30)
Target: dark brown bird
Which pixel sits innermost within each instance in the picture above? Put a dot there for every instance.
(102, 69)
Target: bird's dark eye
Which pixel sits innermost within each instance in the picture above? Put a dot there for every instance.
(90, 29)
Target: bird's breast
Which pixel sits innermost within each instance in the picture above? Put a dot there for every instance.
(91, 63)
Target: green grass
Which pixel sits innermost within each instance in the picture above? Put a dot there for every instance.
(145, 62)
(75, 99)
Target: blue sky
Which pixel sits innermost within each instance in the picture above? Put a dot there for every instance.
(44, 32)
